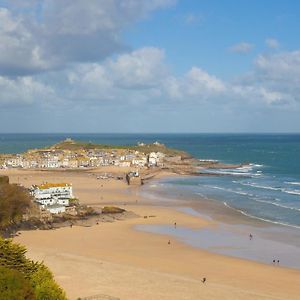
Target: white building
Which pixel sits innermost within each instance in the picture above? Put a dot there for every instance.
(155, 158)
(124, 163)
(14, 162)
(140, 162)
(53, 162)
(49, 194)
(56, 209)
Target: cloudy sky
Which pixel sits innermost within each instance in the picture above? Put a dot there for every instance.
(149, 66)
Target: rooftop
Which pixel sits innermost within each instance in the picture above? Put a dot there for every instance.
(44, 186)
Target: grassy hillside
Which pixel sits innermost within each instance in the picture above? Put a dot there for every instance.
(147, 148)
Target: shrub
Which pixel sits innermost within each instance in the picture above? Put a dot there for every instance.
(12, 257)
(14, 202)
(13, 285)
(112, 210)
(45, 287)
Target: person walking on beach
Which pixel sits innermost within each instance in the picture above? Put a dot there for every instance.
(169, 242)
(203, 280)
(250, 236)
(175, 225)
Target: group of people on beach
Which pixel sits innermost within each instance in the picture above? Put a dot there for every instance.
(275, 261)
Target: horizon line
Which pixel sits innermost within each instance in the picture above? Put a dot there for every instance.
(132, 133)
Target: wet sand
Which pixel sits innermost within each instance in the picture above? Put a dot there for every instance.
(116, 259)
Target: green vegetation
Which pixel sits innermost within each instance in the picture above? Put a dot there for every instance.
(22, 274)
(45, 288)
(14, 202)
(74, 201)
(147, 148)
(13, 285)
(112, 210)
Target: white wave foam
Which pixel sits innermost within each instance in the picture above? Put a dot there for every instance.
(266, 187)
(293, 192)
(246, 168)
(202, 195)
(256, 165)
(292, 182)
(261, 219)
(230, 190)
(277, 204)
(208, 160)
(234, 173)
(242, 193)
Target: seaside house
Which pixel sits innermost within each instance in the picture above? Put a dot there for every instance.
(53, 197)
(73, 163)
(53, 162)
(124, 163)
(14, 161)
(155, 158)
(83, 162)
(140, 162)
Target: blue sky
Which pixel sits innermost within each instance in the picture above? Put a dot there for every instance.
(215, 26)
(149, 66)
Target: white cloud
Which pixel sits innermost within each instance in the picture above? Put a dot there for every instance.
(142, 76)
(198, 81)
(49, 34)
(285, 66)
(259, 96)
(138, 77)
(196, 85)
(242, 47)
(274, 81)
(24, 91)
(77, 17)
(142, 68)
(272, 43)
(19, 51)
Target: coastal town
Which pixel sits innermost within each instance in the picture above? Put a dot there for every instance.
(56, 198)
(68, 158)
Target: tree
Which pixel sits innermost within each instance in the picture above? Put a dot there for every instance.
(13, 285)
(14, 201)
(45, 287)
(13, 257)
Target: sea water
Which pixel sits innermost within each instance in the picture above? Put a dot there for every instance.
(267, 188)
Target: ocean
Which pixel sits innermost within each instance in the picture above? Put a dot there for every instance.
(267, 189)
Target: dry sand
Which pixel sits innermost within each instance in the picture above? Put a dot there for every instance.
(114, 259)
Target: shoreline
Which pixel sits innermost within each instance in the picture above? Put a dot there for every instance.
(110, 251)
(232, 212)
(221, 213)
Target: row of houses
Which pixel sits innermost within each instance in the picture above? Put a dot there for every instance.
(72, 160)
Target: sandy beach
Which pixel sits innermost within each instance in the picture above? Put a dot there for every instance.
(117, 260)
